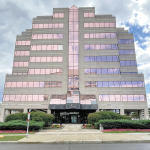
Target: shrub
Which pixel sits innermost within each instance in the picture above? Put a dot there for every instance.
(34, 116)
(21, 125)
(95, 117)
(123, 124)
(17, 116)
(42, 116)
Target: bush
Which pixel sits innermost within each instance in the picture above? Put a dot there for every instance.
(124, 124)
(21, 125)
(41, 116)
(34, 116)
(95, 117)
(17, 116)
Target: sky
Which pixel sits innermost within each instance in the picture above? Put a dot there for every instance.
(16, 16)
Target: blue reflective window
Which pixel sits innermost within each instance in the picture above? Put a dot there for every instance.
(122, 63)
(109, 58)
(115, 58)
(86, 47)
(104, 71)
(111, 84)
(87, 71)
(87, 58)
(136, 98)
(114, 46)
(130, 98)
(98, 71)
(108, 46)
(127, 63)
(121, 52)
(116, 71)
(123, 84)
(117, 83)
(110, 71)
(91, 47)
(103, 46)
(93, 71)
(105, 83)
(103, 58)
(128, 83)
(99, 84)
(98, 58)
(140, 84)
(92, 58)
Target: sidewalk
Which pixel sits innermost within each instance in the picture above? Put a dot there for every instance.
(74, 134)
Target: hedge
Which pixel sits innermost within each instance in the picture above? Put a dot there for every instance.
(34, 116)
(95, 117)
(124, 124)
(21, 125)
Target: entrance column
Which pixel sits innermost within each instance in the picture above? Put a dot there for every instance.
(25, 110)
(146, 113)
(48, 111)
(121, 111)
(140, 114)
(2, 116)
(8, 112)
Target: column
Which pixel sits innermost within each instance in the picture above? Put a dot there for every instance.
(25, 110)
(121, 111)
(140, 114)
(8, 112)
(146, 113)
(2, 116)
(48, 111)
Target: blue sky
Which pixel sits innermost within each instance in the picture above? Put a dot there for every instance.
(16, 16)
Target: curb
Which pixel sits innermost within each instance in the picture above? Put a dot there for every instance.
(76, 142)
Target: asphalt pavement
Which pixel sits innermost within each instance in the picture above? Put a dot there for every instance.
(115, 146)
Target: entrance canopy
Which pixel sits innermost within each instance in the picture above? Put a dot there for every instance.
(73, 100)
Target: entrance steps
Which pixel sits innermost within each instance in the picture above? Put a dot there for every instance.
(69, 129)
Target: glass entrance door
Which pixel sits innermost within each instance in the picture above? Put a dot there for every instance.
(73, 118)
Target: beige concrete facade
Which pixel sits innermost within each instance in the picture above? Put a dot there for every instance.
(123, 106)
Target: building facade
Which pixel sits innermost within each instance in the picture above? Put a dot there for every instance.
(74, 63)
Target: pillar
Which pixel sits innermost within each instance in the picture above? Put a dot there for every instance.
(146, 113)
(97, 110)
(8, 112)
(2, 116)
(121, 111)
(25, 110)
(140, 114)
(48, 111)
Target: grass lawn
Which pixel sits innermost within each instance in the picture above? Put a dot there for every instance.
(16, 133)
(12, 138)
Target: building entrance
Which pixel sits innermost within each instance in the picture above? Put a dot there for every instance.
(71, 116)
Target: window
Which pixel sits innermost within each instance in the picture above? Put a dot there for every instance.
(100, 47)
(101, 24)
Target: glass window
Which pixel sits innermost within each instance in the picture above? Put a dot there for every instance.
(104, 71)
(123, 84)
(112, 97)
(109, 58)
(134, 83)
(122, 63)
(99, 71)
(19, 84)
(98, 58)
(18, 98)
(106, 24)
(100, 97)
(103, 58)
(124, 97)
(36, 84)
(108, 35)
(23, 98)
(87, 71)
(117, 83)
(136, 97)
(93, 71)
(140, 84)
(87, 84)
(29, 97)
(142, 97)
(24, 84)
(108, 46)
(105, 97)
(130, 98)
(92, 58)
(111, 84)
(102, 24)
(129, 83)
(13, 84)
(30, 84)
(105, 84)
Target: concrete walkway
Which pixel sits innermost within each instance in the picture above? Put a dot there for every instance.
(72, 133)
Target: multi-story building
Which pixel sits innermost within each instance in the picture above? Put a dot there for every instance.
(73, 63)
